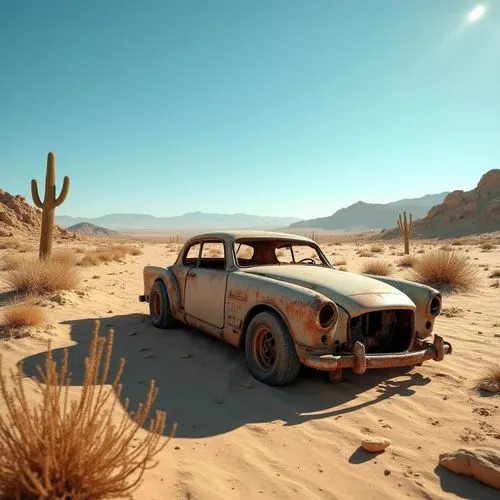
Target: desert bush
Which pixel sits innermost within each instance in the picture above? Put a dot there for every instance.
(487, 246)
(19, 314)
(340, 262)
(69, 447)
(32, 276)
(108, 253)
(378, 267)
(407, 261)
(376, 249)
(495, 274)
(446, 270)
(446, 248)
(9, 244)
(342, 268)
(490, 380)
(65, 256)
(365, 253)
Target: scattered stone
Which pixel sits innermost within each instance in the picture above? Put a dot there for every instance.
(490, 386)
(387, 472)
(186, 355)
(482, 464)
(375, 444)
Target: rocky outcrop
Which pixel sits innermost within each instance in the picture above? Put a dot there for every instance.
(89, 229)
(462, 213)
(19, 218)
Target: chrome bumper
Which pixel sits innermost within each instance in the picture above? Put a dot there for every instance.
(359, 361)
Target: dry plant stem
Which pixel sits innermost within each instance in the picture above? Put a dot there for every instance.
(69, 448)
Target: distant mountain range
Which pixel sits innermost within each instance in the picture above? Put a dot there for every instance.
(190, 220)
(363, 216)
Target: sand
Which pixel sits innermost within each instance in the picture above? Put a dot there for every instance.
(240, 439)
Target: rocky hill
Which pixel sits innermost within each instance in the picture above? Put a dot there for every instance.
(19, 218)
(462, 213)
(89, 229)
(364, 216)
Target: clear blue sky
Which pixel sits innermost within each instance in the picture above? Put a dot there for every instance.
(278, 107)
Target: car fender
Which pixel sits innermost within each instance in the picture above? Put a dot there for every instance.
(298, 306)
(153, 273)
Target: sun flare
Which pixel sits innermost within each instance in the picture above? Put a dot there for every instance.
(476, 13)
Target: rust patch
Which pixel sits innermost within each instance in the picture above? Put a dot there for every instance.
(238, 294)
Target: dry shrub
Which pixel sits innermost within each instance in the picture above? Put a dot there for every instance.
(490, 380)
(10, 261)
(376, 249)
(407, 261)
(378, 267)
(33, 276)
(20, 314)
(365, 253)
(340, 262)
(487, 246)
(9, 244)
(69, 447)
(64, 256)
(446, 270)
(446, 248)
(108, 254)
(495, 274)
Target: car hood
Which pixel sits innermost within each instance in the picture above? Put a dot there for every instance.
(354, 292)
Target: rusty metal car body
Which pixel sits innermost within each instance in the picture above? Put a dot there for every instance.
(286, 308)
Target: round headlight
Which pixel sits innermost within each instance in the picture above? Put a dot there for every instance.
(328, 315)
(435, 305)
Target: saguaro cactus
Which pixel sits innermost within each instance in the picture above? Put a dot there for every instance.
(50, 202)
(405, 228)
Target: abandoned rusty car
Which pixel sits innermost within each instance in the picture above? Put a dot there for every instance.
(277, 296)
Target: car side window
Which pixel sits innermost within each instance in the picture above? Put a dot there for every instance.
(191, 256)
(213, 255)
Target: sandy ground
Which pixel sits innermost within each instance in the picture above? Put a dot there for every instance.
(239, 439)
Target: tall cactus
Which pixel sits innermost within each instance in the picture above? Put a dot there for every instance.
(405, 228)
(50, 202)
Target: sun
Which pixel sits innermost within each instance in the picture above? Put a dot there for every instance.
(476, 13)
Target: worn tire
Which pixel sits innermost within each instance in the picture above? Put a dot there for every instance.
(159, 306)
(286, 365)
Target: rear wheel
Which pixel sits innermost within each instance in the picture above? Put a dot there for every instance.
(159, 306)
(270, 350)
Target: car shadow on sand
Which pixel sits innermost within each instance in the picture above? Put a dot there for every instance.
(204, 384)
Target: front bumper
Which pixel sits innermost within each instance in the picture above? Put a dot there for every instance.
(359, 361)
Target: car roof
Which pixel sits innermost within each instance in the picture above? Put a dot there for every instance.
(237, 234)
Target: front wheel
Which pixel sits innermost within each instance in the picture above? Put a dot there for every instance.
(159, 306)
(270, 350)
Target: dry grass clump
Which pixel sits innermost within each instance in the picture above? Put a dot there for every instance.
(487, 246)
(491, 380)
(108, 253)
(20, 314)
(407, 261)
(376, 249)
(35, 277)
(378, 267)
(365, 253)
(340, 262)
(68, 447)
(9, 244)
(446, 248)
(446, 270)
(495, 274)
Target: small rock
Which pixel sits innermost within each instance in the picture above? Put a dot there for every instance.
(482, 464)
(387, 472)
(185, 356)
(375, 444)
(490, 386)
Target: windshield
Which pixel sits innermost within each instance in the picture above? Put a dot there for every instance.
(262, 252)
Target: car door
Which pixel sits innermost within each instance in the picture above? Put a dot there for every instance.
(205, 288)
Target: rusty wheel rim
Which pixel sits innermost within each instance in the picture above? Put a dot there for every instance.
(265, 348)
(156, 305)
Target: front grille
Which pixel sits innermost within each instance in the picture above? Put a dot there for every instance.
(383, 331)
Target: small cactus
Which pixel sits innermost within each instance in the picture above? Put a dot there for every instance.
(50, 202)
(405, 228)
